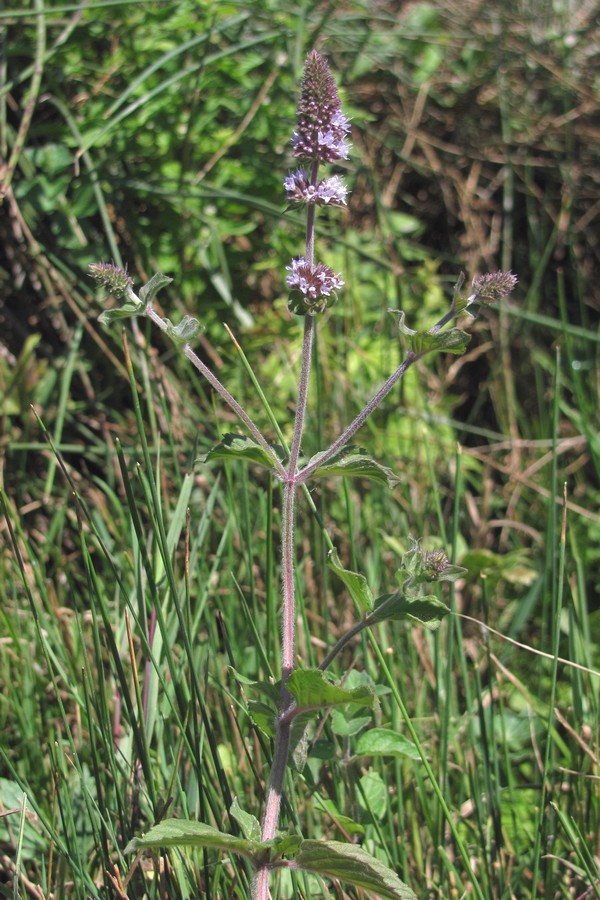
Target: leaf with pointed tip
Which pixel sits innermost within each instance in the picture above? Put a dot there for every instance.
(238, 446)
(183, 333)
(131, 308)
(427, 611)
(248, 823)
(182, 833)
(355, 462)
(312, 689)
(352, 865)
(356, 583)
(451, 340)
(151, 289)
(385, 742)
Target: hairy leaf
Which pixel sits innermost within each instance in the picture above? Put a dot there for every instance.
(312, 689)
(451, 340)
(182, 833)
(238, 446)
(127, 311)
(356, 583)
(352, 865)
(355, 462)
(248, 823)
(151, 289)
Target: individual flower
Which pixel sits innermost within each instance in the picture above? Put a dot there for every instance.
(313, 287)
(492, 287)
(328, 192)
(113, 278)
(322, 127)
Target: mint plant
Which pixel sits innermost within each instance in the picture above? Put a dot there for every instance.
(319, 140)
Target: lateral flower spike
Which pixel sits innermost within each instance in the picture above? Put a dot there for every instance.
(492, 287)
(116, 280)
(322, 127)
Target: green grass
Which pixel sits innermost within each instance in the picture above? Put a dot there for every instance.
(139, 590)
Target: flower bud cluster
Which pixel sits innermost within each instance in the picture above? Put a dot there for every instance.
(113, 278)
(492, 287)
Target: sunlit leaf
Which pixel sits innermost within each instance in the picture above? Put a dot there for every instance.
(357, 463)
(451, 340)
(237, 446)
(311, 688)
(248, 823)
(183, 833)
(151, 289)
(356, 583)
(352, 865)
(385, 742)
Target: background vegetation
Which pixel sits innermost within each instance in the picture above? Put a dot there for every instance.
(157, 134)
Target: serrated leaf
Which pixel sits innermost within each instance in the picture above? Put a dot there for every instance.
(451, 340)
(127, 311)
(312, 689)
(150, 290)
(183, 333)
(428, 611)
(182, 833)
(356, 583)
(352, 865)
(238, 446)
(385, 742)
(356, 463)
(248, 823)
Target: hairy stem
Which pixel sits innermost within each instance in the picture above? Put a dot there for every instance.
(224, 393)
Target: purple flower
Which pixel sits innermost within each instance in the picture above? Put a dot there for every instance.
(313, 287)
(322, 127)
(329, 192)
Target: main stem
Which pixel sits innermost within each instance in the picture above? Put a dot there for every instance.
(260, 886)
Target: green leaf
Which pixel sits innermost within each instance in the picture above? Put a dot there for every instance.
(345, 823)
(183, 333)
(127, 311)
(352, 865)
(237, 446)
(263, 717)
(428, 611)
(312, 689)
(248, 823)
(385, 742)
(451, 340)
(182, 833)
(150, 290)
(355, 462)
(348, 727)
(356, 583)
(373, 795)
